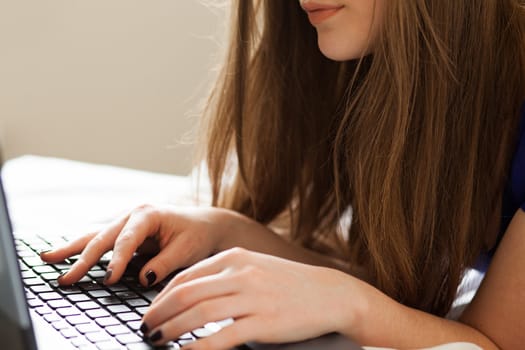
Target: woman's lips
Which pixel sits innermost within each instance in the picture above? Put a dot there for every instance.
(318, 13)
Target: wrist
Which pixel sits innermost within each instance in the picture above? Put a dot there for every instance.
(355, 307)
(227, 224)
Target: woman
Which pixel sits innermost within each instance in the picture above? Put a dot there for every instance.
(399, 116)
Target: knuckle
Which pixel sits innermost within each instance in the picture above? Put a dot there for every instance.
(161, 266)
(126, 238)
(206, 311)
(236, 253)
(143, 207)
(184, 295)
(97, 241)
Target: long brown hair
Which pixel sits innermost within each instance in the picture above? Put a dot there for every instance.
(416, 138)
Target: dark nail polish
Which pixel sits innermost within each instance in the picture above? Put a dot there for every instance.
(107, 276)
(144, 328)
(156, 336)
(151, 277)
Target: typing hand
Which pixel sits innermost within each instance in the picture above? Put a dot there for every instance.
(180, 236)
(270, 298)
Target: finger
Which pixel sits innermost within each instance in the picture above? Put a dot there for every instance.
(69, 249)
(175, 255)
(93, 251)
(140, 224)
(186, 296)
(205, 312)
(210, 266)
(241, 331)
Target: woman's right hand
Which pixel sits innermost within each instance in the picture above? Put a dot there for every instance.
(178, 236)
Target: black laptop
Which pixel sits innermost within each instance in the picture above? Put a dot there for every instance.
(38, 314)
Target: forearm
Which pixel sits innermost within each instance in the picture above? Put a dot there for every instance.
(242, 232)
(381, 321)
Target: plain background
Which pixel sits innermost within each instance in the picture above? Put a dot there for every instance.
(118, 82)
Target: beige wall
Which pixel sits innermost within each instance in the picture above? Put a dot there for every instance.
(106, 81)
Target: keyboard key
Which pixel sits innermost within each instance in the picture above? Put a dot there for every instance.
(183, 342)
(56, 304)
(89, 286)
(97, 313)
(69, 333)
(79, 342)
(85, 279)
(50, 296)
(136, 302)
(109, 301)
(117, 287)
(31, 262)
(43, 288)
(88, 347)
(142, 310)
(134, 325)
(150, 294)
(23, 267)
(33, 281)
(187, 336)
(99, 294)
(28, 274)
(75, 298)
(63, 266)
(29, 294)
(202, 332)
(128, 316)
(35, 303)
(98, 337)
(50, 318)
(65, 290)
(68, 311)
(118, 308)
(127, 295)
(43, 310)
(145, 346)
(107, 321)
(50, 276)
(78, 319)
(109, 345)
(87, 305)
(44, 269)
(213, 326)
(26, 253)
(97, 274)
(90, 327)
(116, 330)
(60, 325)
(128, 338)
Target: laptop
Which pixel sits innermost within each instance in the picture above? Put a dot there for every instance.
(38, 314)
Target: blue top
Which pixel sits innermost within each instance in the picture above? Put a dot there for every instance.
(514, 193)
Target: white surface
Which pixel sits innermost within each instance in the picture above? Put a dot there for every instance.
(114, 81)
(48, 195)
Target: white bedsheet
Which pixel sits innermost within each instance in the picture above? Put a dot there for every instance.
(49, 195)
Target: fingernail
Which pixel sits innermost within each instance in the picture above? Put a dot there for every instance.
(156, 336)
(151, 277)
(107, 276)
(44, 251)
(144, 328)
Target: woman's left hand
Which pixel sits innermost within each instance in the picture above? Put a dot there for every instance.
(271, 299)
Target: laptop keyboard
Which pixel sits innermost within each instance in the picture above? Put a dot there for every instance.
(90, 314)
